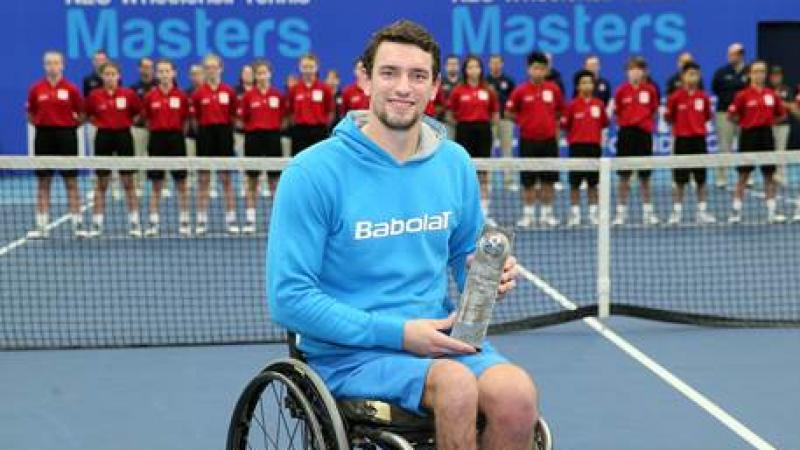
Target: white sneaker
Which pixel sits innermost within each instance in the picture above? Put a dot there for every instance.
(79, 231)
(490, 221)
(266, 193)
(549, 221)
(735, 217)
(619, 220)
(704, 218)
(526, 222)
(96, 230)
(135, 230)
(184, 229)
(796, 216)
(38, 233)
(152, 230)
(249, 228)
(776, 218)
(650, 218)
(558, 186)
(675, 218)
(200, 229)
(233, 228)
(574, 220)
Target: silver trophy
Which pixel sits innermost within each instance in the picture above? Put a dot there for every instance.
(480, 292)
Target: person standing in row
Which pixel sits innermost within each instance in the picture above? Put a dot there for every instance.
(113, 109)
(728, 80)
(214, 106)
(503, 131)
(166, 113)
(55, 107)
(756, 109)
(635, 105)
(584, 121)
(450, 80)
(676, 80)
(354, 96)
(782, 129)
(262, 114)
(688, 111)
(536, 106)
(143, 85)
(602, 87)
(474, 108)
(310, 105)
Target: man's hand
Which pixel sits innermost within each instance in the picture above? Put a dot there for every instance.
(424, 337)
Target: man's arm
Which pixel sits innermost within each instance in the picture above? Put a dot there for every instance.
(298, 231)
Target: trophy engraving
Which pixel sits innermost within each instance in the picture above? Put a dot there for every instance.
(480, 291)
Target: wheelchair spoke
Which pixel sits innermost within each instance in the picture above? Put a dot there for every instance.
(264, 429)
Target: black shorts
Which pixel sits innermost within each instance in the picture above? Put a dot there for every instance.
(584, 151)
(166, 144)
(758, 139)
(263, 144)
(695, 145)
(55, 141)
(113, 143)
(215, 141)
(304, 136)
(476, 137)
(634, 141)
(538, 149)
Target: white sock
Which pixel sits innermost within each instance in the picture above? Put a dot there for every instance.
(183, 217)
(97, 219)
(621, 209)
(702, 206)
(133, 218)
(42, 219)
(593, 210)
(202, 217)
(737, 205)
(528, 211)
(677, 207)
(772, 205)
(77, 219)
(647, 208)
(547, 211)
(576, 210)
(154, 218)
(230, 216)
(250, 215)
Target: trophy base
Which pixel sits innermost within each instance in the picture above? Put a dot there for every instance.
(469, 333)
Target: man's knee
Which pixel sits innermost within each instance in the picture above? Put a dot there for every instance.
(450, 384)
(508, 397)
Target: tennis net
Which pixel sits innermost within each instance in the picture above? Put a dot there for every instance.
(112, 289)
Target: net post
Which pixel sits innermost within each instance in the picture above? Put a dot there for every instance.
(604, 240)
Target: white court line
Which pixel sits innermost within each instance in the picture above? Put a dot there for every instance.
(50, 226)
(679, 385)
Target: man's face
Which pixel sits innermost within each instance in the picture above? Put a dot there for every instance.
(332, 80)
(593, 65)
(165, 73)
(538, 72)
(263, 75)
(586, 86)
(247, 75)
(635, 74)
(53, 65)
(451, 66)
(691, 77)
(110, 77)
(308, 68)
(496, 65)
(146, 69)
(197, 77)
(758, 73)
(776, 78)
(473, 70)
(401, 84)
(359, 73)
(213, 70)
(98, 60)
(735, 56)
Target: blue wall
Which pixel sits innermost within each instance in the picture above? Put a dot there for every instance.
(281, 30)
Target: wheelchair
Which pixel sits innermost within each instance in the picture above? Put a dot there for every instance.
(287, 406)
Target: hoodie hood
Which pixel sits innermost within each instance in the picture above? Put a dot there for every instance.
(432, 135)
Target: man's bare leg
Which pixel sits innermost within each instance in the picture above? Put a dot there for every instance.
(451, 392)
(508, 399)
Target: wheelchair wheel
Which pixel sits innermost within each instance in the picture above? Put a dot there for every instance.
(273, 413)
(542, 437)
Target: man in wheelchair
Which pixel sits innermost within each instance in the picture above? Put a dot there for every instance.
(363, 230)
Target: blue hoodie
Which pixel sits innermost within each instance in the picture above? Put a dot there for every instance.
(359, 243)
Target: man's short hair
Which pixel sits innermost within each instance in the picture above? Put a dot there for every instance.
(142, 60)
(637, 62)
(53, 53)
(108, 64)
(496, 56)
(403, 32)
(691, 65)
(538, 58)
(261, 63)
(310, 56)
(165, 61)
(214, 57)
(579, 75)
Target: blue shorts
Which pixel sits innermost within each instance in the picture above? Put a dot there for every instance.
(391, 376)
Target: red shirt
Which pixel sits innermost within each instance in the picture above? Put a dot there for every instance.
(437, 101)
(756, 107)
(537, 107)
(166, 111)
(113, 110)
(54, 105)
(353, 98)
(584, 121)
(310, 105)
(473, 103)
(262, 110)
(688, 112)
(214, 106)
(634, 106)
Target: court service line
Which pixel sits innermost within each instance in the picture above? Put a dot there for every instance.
(56, 223)
(689, 392)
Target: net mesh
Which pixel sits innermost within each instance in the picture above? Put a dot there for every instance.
(115, 290)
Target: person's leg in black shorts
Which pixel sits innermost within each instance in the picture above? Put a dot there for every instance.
(54, 141)
(476, 138)
(258, 144)
(544, 192)
(167, 144)
(114, 143)
(215, 141)
(304, 136)
(633, 141)
(695, 145)
(576, 178)
(759, 139)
